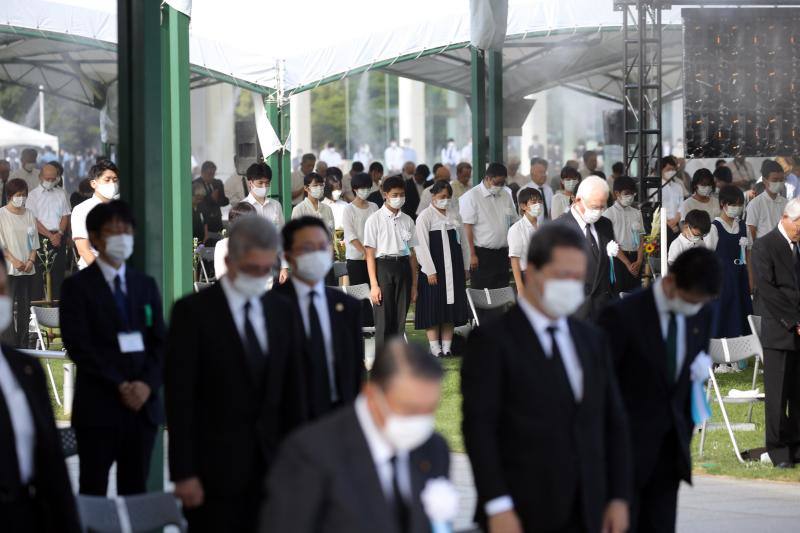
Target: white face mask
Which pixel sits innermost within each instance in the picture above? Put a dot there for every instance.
(5, 312)
(316, 191)
(259, 192)
(250, 285)
(442, 203)
(119, 247)
(681, 307)
(691, 237)
(775, 187)
(29, 167)
(336, 194)
(397, 202)
(534, 210)
(495, 189)
(47, 185)
(362, 193)
(313, 266)
(590, 216)
(734, 211)
(109, 191)
(562, 297)
(669, 174)
(569, 185)
(626, 200)
(406, 433)
(704, 190)
(19, 201)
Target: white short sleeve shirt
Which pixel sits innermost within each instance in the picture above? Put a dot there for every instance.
(490, 215)
(389, 234)
(354, 219)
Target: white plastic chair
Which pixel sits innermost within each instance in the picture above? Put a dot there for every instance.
(201, 285)
(488, 299)
(46, 317)
(206, 256)
(731, 351)
(360, 292)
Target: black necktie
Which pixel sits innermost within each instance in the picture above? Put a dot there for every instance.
(401, 510)
(316, 348)
(796, 257)
(672, 347)
(254, 351)
(592, 242)
(544, 202)
(121, 301)
(558, 361)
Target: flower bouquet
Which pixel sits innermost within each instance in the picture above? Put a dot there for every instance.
(47, 256)
(652, 247)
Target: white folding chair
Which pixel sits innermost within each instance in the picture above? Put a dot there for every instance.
(488, 299)
(206, 255)
(732, 351)
(755, 328)
(201, 285)
(45, 317)
(361, 292)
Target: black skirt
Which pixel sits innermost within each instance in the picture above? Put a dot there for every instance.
(432, 307)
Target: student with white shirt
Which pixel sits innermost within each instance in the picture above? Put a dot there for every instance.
(538, 181)
(695, 228)
(333, 197)
(442, 256)
(671, 196)
(487, 211)
(389, 240)
(259, 179)
(441, 174)
(354, 218)
(563, 198)
(702, 195)
(221, 248)
(765, 210)
(628, 231)
(312, 205)
(519, 235)
(104, 179)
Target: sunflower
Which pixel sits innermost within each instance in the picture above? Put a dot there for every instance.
(649, 248)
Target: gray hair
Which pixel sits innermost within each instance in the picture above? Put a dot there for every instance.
(590, 184)
(792, 209)
(251, 232)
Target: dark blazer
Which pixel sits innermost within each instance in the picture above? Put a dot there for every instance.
(325, 481)
(412, 198)
(655, 407)
(776, 298)
(348, 344)
(54, 503)
(527, 437)
(224, 427)
(376, 198)
(90, 322)
(598, 280)
(212, 207)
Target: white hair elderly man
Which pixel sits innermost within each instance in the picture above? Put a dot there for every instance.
(775, 261)
(586, 214)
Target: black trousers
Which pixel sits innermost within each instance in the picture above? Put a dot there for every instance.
(654, 503)
(20, 291)
(394, 279)
(782, 404)
(357, 273)
(492, 271)
(130, 444)
(229, 513)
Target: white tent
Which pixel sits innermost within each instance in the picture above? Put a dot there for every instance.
(17, 135)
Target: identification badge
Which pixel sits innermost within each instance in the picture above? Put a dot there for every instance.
(130, 342)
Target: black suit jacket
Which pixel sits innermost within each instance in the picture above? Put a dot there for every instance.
(598, 280)
(776, 298)
(376, 198)
(90, 322)
(412, 198)
(212, 208)
(325, 481)
(348, 345)
(224, 426)
(656, 408)
(525, 440)
(55, 504)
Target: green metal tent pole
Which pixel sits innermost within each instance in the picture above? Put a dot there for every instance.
(495, 68)
(286, 163)
(478, 104)
(274, 159)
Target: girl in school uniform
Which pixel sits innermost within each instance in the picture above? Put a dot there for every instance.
(441, 301)
(562, 199)
(519, 235)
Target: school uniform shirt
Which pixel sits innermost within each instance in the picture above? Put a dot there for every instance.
(78, 223)
(270, 209)
(764, 213)
(547, 193)
(337, 207)
(353, 220)
(628, 226)
(671, 198)
(561, 204)
(519, 239)
(680, 245)
(690, 204)
(322, 212)
(431, 219)
(712, 238)
(490, 215)
(19, 236)
(389, 234)
(48, 206)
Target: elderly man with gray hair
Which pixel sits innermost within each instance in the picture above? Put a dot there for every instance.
(232, 385)
(775, 261)
(586, 214)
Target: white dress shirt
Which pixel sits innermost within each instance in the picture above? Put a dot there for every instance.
(490, 215)
(432, 220)
(663, 319)
(628, 226)
(579, 219)
(560, 205)
(382, 453)
(19, 411)
(354, 219)
(321, 305)
(690, 204)
(322, 212)
(337, 208)
(236, 303)
(547, 194)
(220, 253)
(78, 223)
(389, 234)
(680, 245)
(270, 209)
(49, 206)
(671, 197)
(519, 240)
(764, 212)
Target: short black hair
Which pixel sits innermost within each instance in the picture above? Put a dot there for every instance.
(334, 171)
(624, 183)
(422, 170)
(375, 166)
(731, 195)
(698, 219)
(208, 165)
(669, 160)
(599, 173)
(587, 154)
(618, 167)
(441, 185)
(257, 171)
(396, 355)
(312, 177)
(361, 181)
(569, 172)
(102, 214)
(527, 194)
(436, 166)
(539, 161)
(769, 166)
(697, 270)
(719, 163)
(393, 182)
(550, 236)
(700, 175)
(101, 166)
(495, 170)
(723, 174)
(357, 166)
(241, 209)
(295, 225)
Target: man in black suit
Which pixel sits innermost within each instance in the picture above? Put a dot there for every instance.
(414, 187)
(775, 261)
(362, 469)
(112, 326)
(376, 173)
(232, 385)
(586, 215)
(214, 196)
(655, 335)
(544, 425)
(35, 492)
(331, 320)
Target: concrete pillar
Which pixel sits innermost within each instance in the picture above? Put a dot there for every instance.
(411, 115)
(213, 126)
(300, 104)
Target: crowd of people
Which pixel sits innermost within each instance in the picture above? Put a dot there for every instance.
(576, 400)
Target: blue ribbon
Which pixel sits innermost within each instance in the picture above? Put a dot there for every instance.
(701, 410)
(441, 527)
(742, 255)
(611, 270)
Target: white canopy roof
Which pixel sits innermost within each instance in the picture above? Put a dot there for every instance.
(17, 135)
